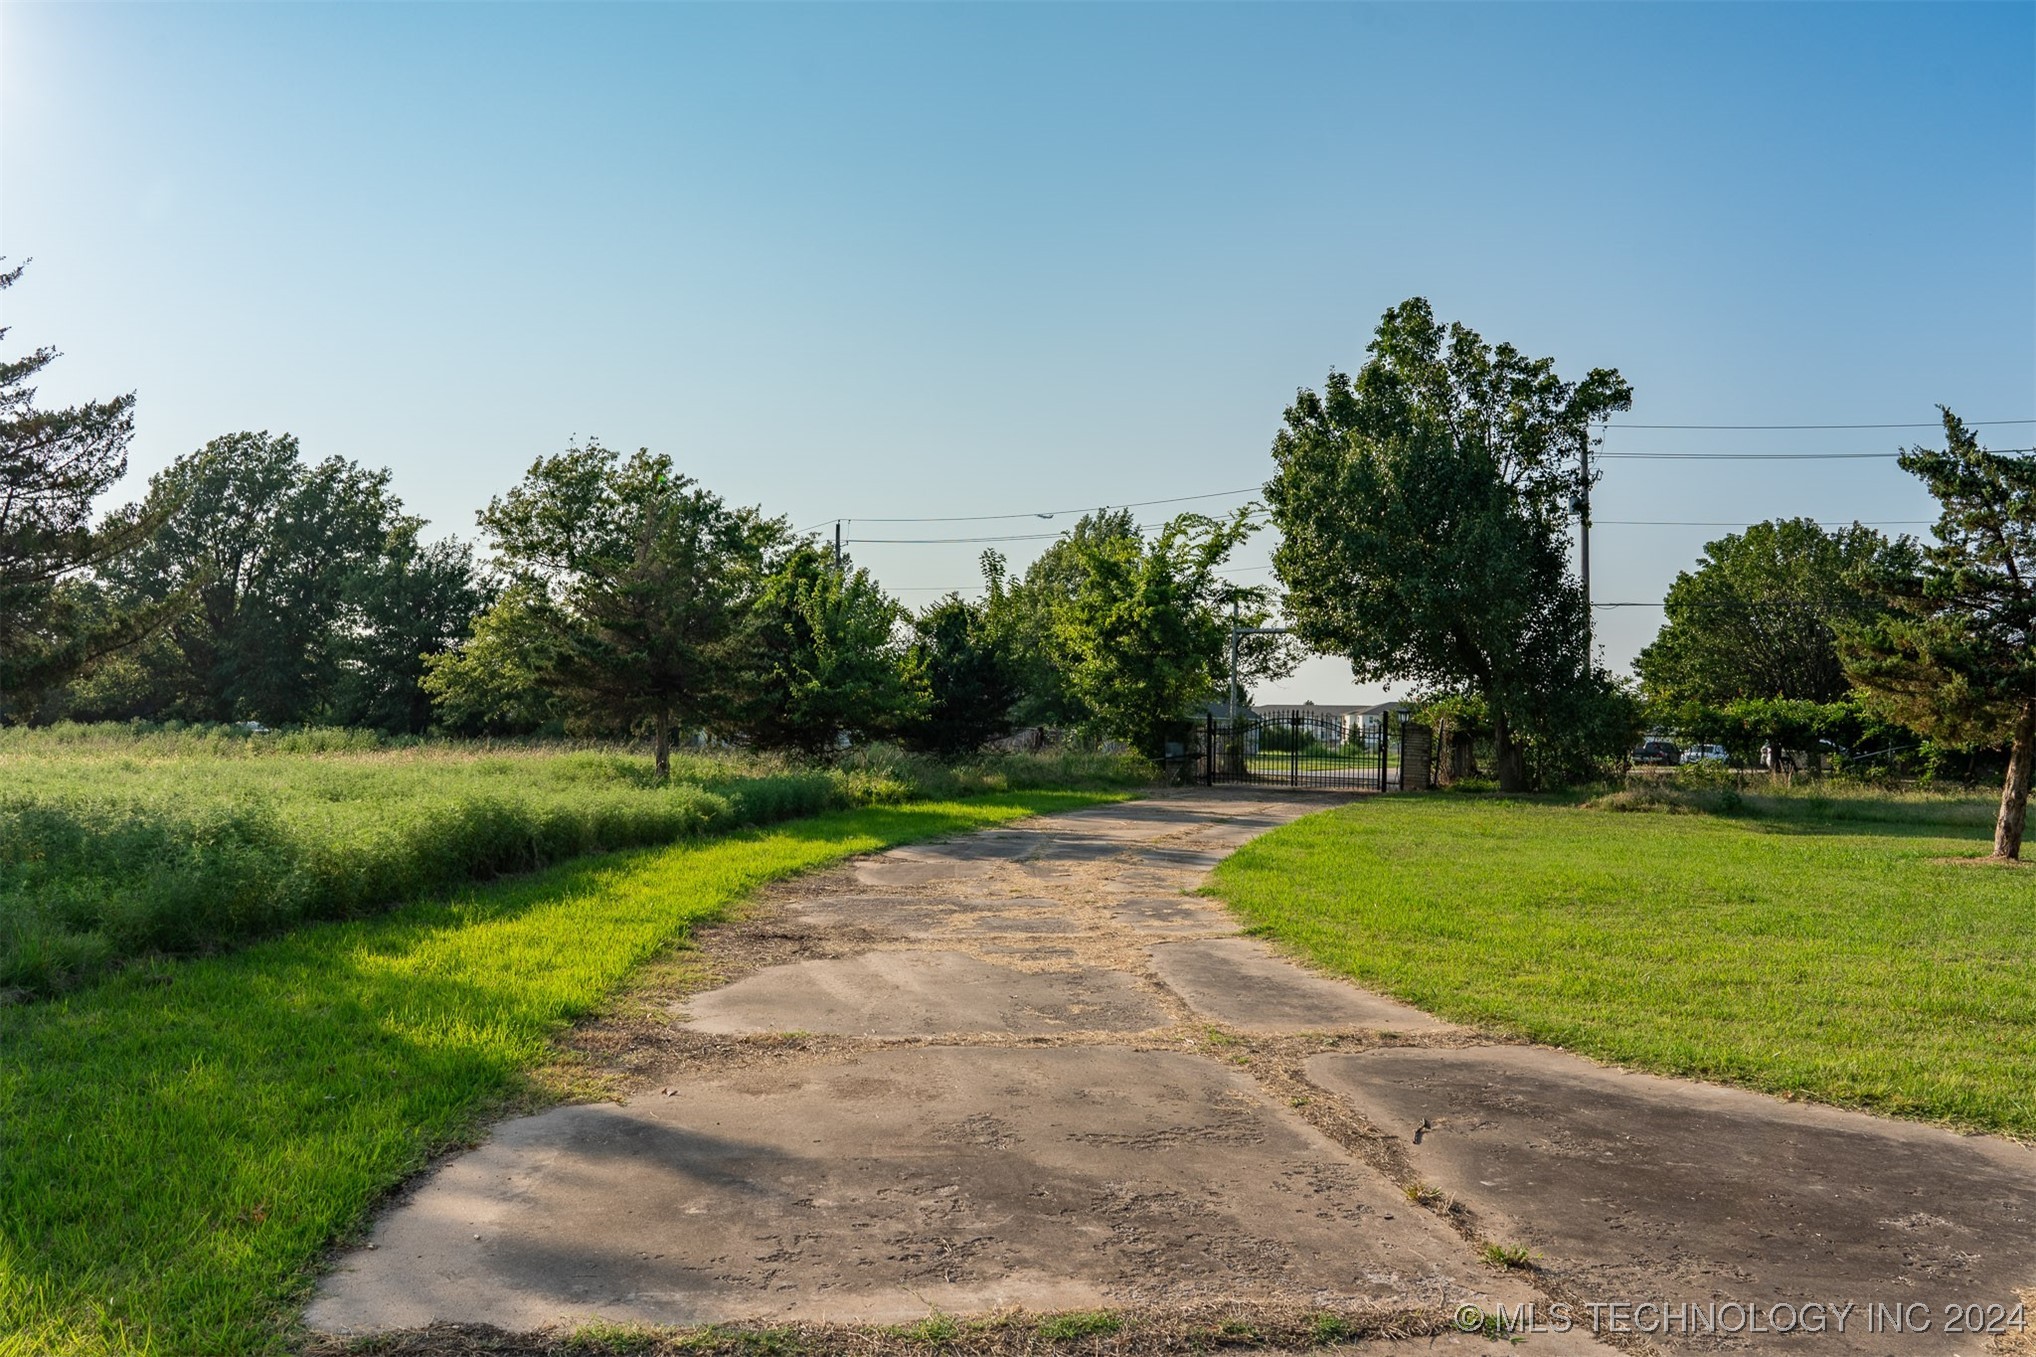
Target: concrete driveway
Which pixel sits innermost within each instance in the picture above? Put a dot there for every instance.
(1025, 1070)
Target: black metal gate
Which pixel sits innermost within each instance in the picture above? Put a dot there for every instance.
(1304, 749)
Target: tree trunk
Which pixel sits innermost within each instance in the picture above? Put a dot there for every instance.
(1507, 752)
(664, 744)
(2015, 789)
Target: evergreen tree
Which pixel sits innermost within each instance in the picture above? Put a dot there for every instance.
(53, 465)
(1955, 657)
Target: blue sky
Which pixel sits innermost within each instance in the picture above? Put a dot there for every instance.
(879, 262)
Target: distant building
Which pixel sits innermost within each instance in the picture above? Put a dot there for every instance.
(1352, 719)
(1344, 717)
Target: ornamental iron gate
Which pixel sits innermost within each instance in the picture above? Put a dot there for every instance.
(1305, 749)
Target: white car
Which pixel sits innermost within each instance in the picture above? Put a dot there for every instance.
(1705, 753)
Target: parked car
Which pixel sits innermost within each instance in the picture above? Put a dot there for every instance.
(1705, 753)
(1655, 754)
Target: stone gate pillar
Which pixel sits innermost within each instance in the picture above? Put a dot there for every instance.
(1417, 745)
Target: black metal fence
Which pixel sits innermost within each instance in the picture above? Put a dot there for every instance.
(1305, 749)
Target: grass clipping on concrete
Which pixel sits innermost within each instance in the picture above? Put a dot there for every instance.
(180, 1142)
(1171, 1331)
(1806, 944)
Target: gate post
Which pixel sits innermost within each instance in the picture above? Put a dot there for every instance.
(1417, 744)
(1209, 749)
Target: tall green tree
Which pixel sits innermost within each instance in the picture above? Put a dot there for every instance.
(641, 584)
(1424, 509)
(826, 658)
(1021, 615)
(493, 681)
(970, 678)
(1142, 635)
(420, 599)
(312, 598)
(1955, 655)
(1758, 617)
(54, 464)
(1749, 640)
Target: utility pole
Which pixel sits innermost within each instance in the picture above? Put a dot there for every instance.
(1237, 634)
(837, 550)
(1584, 512)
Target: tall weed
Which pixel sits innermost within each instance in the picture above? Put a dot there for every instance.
(118, 843)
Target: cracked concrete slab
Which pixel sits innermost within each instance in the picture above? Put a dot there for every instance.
(925, 993)
(922, 919)
(1169, 914)
(1048, 1078)
(1636, 1188)
(873, 1189)
(1241, 983)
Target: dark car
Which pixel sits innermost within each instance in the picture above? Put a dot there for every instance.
(1656, 754)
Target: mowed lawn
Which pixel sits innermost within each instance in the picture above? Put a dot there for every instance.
(179, 1143)
(1800, 951)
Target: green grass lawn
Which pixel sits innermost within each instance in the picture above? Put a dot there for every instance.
(179, 1143)
(1804, 945)
(117, 844)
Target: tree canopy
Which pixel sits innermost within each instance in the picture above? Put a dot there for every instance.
(1955, 654)
(1125, 633)
(1424, 509)
(1758, 617)
(826, 658)
(641, 584)
(310, 596)
(971, 680)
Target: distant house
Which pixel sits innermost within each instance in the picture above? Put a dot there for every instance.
(1374, 716)
(1351, 719)
(1345, 718)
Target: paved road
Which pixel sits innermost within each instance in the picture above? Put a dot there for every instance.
(1024, 1069)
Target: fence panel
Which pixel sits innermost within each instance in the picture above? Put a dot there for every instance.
(1302, 749)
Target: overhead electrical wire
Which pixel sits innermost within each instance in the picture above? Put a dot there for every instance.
(935, 541)
(1731, 523)
(1603, 454)
(1600, 454)
(1930, 424)
(1054, 513)
(1762, 456)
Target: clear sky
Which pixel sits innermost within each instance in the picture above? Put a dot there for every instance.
(886, 262)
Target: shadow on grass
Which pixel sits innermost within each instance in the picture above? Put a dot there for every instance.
(1847, 826)
(179, 1143)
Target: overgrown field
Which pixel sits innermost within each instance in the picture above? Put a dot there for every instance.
(116, 844)
(179, 1143)
(1846, 948)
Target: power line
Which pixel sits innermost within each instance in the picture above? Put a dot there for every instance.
(977, 584)
(1629, 456)
(1052, 513)
(951, 541)
(940, 541)
(1931, 424)
(1733, 523)
(1767, 456)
